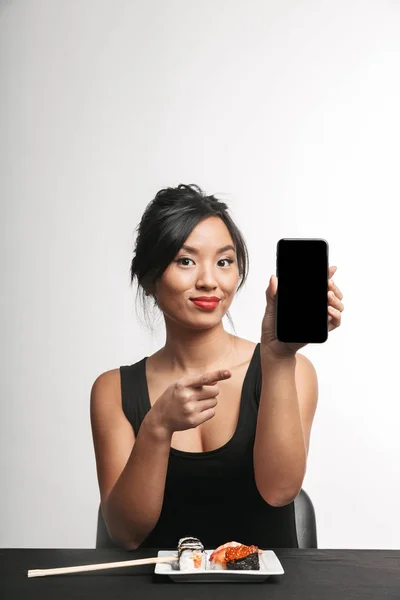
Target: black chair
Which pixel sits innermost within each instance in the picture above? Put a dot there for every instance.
(306, 527)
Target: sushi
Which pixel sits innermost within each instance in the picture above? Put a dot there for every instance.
(217, 557)
(230, 556)
(243, 557)
(235, 556)
(190, 554)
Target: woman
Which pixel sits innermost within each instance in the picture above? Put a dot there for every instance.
(209, 436)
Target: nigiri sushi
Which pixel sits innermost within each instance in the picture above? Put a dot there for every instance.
(234, 555)
(190, 554)
(243, 558)
(217, 557)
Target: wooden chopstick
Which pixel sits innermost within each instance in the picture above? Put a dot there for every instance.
(99, 566)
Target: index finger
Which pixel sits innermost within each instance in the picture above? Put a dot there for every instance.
(208, 378)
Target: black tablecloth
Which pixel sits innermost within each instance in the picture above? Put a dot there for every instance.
(316, 574)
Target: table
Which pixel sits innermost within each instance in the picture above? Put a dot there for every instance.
(310, 574)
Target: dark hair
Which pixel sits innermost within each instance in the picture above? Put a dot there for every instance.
(166, 223)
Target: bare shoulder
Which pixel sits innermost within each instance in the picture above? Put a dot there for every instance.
(306, 384)
(109, 382)
(307, 393)
(245, 349)
(304, 367)
(105, 397)
(113, 435)
(247, 344)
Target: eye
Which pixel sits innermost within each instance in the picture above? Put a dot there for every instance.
(178, 260)
(228, 260)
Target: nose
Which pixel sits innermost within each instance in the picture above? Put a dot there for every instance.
(206, 278)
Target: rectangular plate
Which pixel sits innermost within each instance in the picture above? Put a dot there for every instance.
(269, 565)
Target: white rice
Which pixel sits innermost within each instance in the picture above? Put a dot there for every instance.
(187, 560)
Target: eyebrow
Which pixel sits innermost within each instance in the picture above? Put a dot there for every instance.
(195, 251)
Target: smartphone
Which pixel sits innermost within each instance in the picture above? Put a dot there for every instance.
(302, 269)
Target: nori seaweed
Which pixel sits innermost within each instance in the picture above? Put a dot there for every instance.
(249, 562)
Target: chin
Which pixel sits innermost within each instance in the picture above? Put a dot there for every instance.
(200, 322)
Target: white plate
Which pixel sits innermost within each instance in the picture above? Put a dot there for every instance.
(269, 565)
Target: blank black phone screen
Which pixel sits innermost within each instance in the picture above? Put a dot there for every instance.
(302, 296)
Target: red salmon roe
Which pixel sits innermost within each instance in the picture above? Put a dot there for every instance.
(239, 552)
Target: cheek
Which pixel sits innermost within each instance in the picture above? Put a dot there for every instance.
(178, 283)
(234, 282)
(175, 287)
(171, 292)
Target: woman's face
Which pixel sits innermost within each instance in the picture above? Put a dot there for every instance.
(202, 270)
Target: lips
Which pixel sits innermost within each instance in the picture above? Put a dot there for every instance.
(208, 304)
(206, 299)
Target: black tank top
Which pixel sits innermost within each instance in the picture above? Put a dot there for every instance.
(213, 495)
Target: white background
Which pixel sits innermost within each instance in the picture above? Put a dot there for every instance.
(289, 112)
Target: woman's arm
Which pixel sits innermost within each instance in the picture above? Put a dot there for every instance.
(131, 472)
(288, 402)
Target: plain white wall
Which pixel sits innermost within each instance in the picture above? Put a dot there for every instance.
(289, 112)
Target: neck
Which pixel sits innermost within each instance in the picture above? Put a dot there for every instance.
(190, 352)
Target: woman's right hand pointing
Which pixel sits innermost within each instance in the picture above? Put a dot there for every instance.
(188, 402)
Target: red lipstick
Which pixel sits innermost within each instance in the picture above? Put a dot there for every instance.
(206, 302)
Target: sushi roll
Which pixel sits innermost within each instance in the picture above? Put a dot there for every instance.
(242, 558)
(190, 554)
